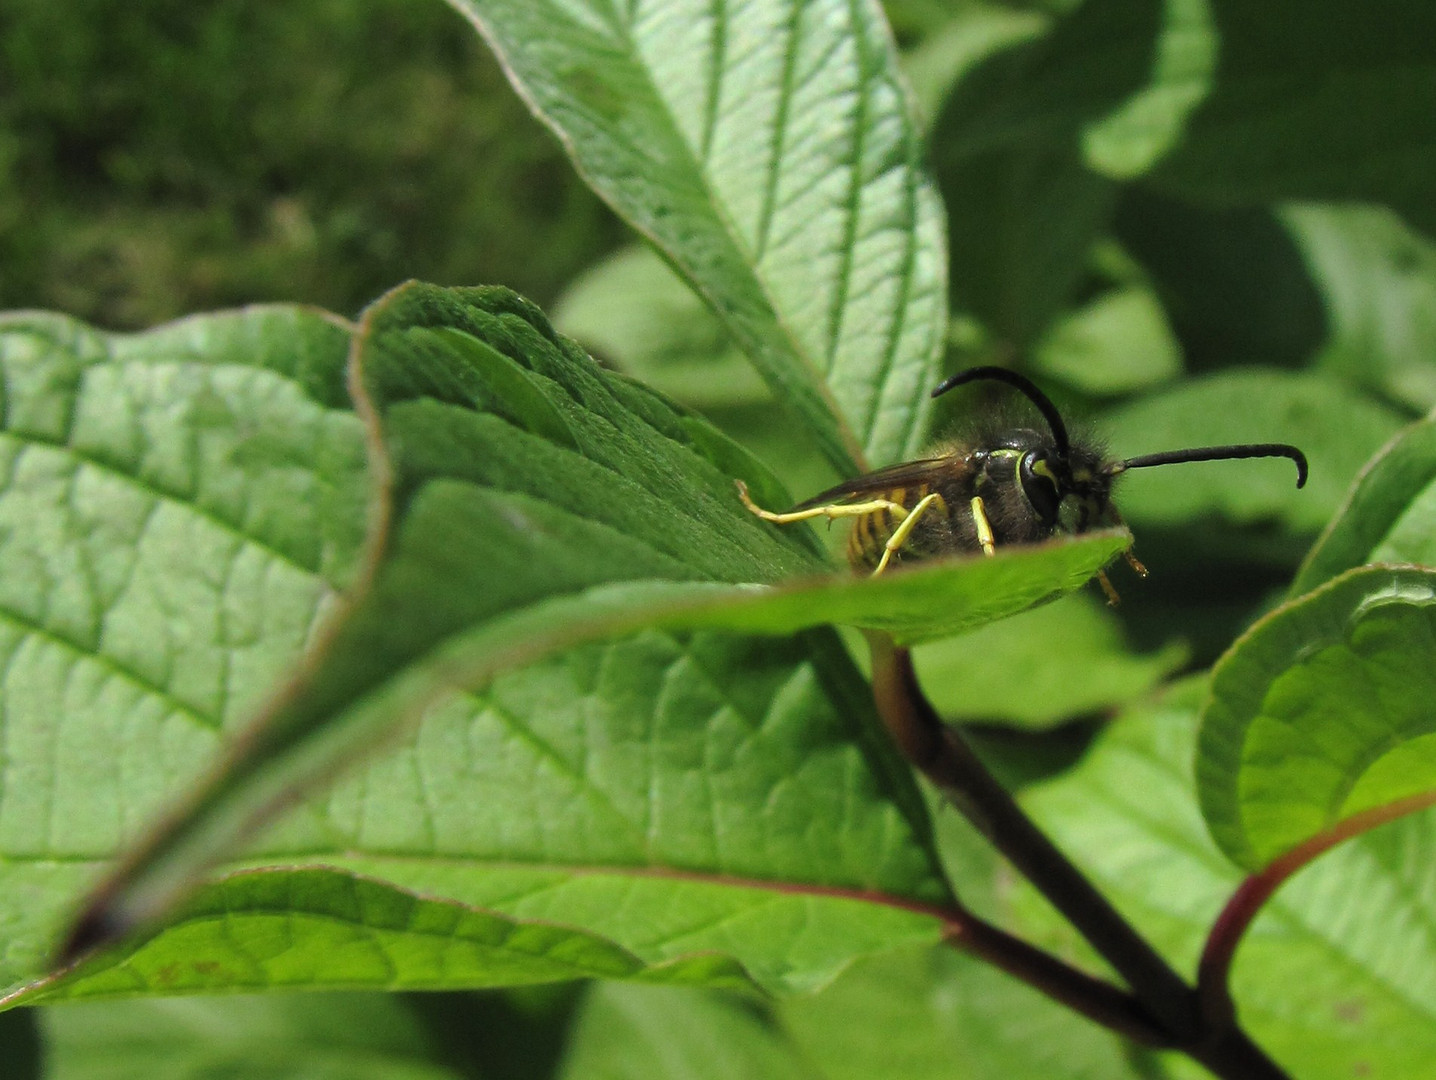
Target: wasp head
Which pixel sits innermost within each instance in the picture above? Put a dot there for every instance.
(1069, 487)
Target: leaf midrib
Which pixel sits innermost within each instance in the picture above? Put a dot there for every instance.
(748, 258)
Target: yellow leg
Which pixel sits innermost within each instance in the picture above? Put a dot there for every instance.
(1134, 563)
(904, 530)
(984, 527)
(829, 510)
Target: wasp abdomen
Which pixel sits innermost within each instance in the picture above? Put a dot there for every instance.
(867, 543)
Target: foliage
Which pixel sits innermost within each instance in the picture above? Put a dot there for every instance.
(162, 158)
(424, 652)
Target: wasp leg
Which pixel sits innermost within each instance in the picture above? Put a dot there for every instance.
(829, 510)
(1114, 518)
(1112, 598)
(903, 531)
(984, 527)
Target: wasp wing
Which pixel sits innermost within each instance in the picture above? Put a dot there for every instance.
(903, 474)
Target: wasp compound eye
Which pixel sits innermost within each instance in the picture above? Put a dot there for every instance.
(1040, 485)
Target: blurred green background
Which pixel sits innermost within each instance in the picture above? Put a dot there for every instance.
(159, 158)
(164, 157)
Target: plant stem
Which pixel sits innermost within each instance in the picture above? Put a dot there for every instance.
(1099, 1001)
(940, 753)
(950, 763)
(1214, 971)
(1230, 1054)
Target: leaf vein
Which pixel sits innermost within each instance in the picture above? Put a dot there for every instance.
(141, 682)
(718, 10)
(547, 752)
(780, 132)
(852, 204)
(173, 498)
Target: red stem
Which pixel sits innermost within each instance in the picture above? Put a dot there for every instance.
(1214, 971)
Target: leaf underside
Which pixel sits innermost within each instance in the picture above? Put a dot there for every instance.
(768, 151)
(529, 503)
(1321, 711)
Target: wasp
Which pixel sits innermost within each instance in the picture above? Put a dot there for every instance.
(1006, 485)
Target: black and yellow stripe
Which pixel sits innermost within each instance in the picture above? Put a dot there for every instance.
(871, 531)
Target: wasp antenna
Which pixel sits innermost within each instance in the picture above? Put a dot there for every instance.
(1219, 453)
(1022, 383)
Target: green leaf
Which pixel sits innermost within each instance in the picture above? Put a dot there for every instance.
(966, 36)
(1322, 710)
(1379, 282)
(274, 1037)
(678, 795)
(920, 603)
(768, 152)
(1024, 221)
(1336, 428)
(1031, 141)
(1337, 975)
(1184, 55)
(623, 1032)
(1042, 667)
(956, 1017)
(637, 316)
(647, 808)
(512, 392)
(61, 824)
(297, 928)
(496, 547)
(1114, 80)
(176, 511)
(768, 434)
(1106, 73)
(1116, 343)
(532, 502)
(636, 313)
(1389, 515)
(1233, 283)
(1309, 103)
(1025, 210)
